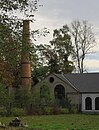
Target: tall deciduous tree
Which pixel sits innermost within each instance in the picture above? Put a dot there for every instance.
(56, 54)
(48, 58)
(62, 46)
(83, 41)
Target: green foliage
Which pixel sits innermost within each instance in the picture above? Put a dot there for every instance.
(11, 37)
(4, 96)
(36, 103)
(39, 73)
(57, 54)
(73, 110)
(44, 95)
(9, 63)
(35, 111)
(25, 96)
(56, 110)
(35, 98)
(6, 99)
(22, 97)
(18, 112)
(48, 110)
(3, 111)
(21, 5)
(53, 64)
(63, 48)
(68, 103)
(64, 111)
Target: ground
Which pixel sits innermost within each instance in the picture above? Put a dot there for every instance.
(59, 122)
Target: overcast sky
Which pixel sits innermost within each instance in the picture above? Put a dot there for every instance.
(56, 13)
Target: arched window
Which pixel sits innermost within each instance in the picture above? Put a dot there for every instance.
(97, 103)
(88, 103)
(59, 92)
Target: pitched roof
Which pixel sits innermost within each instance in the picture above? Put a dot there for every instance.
(86, 82)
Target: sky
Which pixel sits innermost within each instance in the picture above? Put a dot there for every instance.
(53, 14)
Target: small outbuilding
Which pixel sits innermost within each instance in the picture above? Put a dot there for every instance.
(81, 89)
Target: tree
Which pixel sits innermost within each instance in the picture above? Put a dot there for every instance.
(62, 47)
(39, 73)
(9, 54)
(45, 95)
(24, 6)
(22, 98)
(5, 99)
(9, 10)
(11, 37)
(83, 41)
(48, 58)
(57, 54)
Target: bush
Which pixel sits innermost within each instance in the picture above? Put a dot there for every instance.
(3, 111)
(48, 110)
(73, 110)
(64, 111)
(56, 110)
(35, 111)
(18, 112)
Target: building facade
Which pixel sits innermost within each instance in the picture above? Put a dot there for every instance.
(81, 89)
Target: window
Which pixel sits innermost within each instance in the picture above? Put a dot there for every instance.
(88, 103)
(51, 79)
(97, 103)
(59, 92)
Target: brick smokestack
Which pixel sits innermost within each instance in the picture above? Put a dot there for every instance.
(25, 57)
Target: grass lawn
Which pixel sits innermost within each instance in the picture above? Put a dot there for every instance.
(59, 122)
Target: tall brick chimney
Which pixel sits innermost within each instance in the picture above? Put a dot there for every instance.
(25, 56)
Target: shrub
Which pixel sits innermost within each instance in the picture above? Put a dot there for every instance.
(35, 111)
(3, 111)
(48, 110)
(18, 112)
(56, 110)
(73, 110)
(64, 111)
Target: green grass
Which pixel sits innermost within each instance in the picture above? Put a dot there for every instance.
(59, 122)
